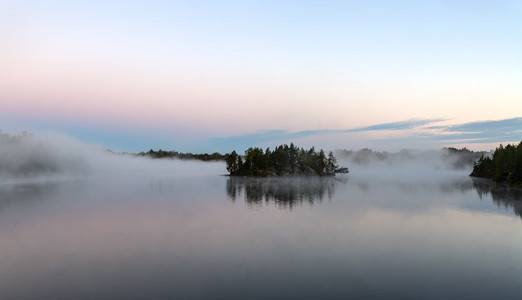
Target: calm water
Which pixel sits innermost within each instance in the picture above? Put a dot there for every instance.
(212, 237)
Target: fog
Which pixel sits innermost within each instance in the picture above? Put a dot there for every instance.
(39, 156)
(408, 165)
(52, 156)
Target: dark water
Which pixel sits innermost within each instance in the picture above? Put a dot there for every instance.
(214, 237)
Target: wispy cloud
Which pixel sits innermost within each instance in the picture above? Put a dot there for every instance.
(260, 137)
(413, 133)
(420, 131)
(401, 125)
(482, 131)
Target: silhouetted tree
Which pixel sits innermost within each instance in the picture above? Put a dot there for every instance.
(504, 166)
(233, 161)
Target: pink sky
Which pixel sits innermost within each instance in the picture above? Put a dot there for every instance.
(203, 71)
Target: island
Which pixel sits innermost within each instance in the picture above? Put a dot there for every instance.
(284, 160)
(505, 165)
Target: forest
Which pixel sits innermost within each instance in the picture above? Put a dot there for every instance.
(284, 160)
(504, 166)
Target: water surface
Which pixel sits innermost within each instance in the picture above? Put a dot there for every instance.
(208, 236)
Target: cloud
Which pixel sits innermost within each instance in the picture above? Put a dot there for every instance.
(416, 132)
(494, 131)
(413, 133)
(401, 125)
(259, 137)
(483, 132)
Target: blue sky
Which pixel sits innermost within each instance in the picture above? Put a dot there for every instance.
(206, 76)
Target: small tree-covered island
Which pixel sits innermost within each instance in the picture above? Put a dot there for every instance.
(504, 166)
(284, 160)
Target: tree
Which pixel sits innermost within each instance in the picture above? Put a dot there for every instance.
(331, 163)
(233, 161)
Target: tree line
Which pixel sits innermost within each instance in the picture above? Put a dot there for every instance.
(284, 160)
(175, 154)
(504, 166)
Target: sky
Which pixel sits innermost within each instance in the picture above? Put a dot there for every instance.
(206, 76)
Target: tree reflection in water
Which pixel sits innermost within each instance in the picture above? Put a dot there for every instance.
(502, 194)
(284, 192)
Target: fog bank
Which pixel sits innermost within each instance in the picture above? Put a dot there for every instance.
(47, 155)
(408, 164)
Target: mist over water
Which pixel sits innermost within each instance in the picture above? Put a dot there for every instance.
(79, 222)
(46, 156)
(407, 165)
(49, 155)
(28, 155)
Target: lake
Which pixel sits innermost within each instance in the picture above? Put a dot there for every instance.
(208, 236)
